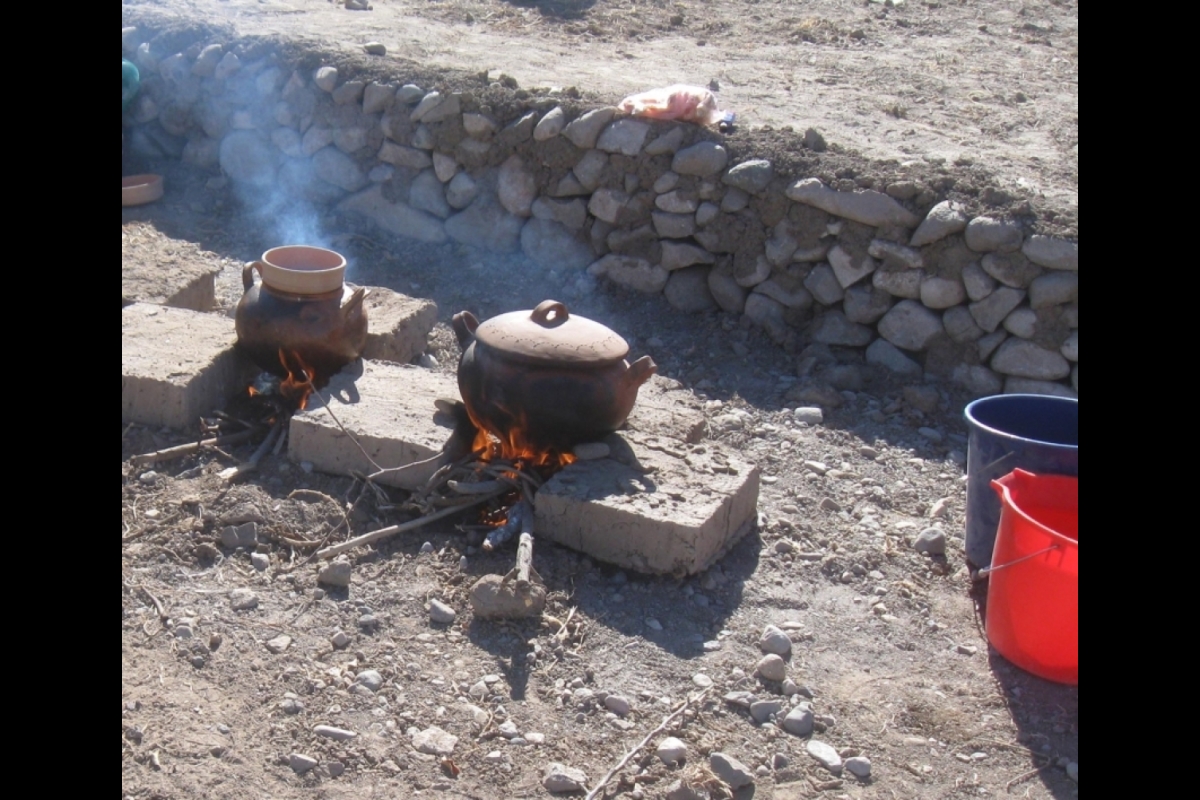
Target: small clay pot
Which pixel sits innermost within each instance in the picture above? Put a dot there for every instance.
(303, 308)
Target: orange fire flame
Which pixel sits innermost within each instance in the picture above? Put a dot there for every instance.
(514, 446)
(298, 384)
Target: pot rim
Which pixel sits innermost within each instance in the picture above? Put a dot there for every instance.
(303, 269)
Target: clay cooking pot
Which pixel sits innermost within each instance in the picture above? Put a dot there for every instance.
(557, 379)
(303, 307)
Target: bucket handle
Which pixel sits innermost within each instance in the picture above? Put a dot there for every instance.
(986, 571)
(998, 461)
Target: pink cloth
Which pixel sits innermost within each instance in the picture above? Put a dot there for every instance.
(688, 103)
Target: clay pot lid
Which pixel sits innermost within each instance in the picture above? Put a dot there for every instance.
(549, 333)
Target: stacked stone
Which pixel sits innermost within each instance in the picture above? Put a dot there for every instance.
(652, 206)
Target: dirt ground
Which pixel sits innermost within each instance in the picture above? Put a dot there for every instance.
(887, 641)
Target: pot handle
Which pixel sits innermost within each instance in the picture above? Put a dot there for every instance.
(542, 315)
(248, 274)
(354, 303)
(464, 324)
(640, 371)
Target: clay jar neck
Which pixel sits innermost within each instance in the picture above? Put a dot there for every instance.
(302, 270)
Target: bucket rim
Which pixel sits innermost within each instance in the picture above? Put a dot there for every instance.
(1001, 486)
(968, 413)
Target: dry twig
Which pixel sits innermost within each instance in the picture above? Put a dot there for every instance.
(599, 787)
(233, 473)
(383, 533)
(189, 448)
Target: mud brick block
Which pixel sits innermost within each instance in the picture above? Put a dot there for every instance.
(656, 505)
(177, 365)
(388, 408)
(398, 325)
(181, 283)
(666, 409)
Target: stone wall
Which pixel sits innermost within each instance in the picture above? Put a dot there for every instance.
(900, 270)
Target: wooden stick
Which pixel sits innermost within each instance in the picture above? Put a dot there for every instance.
(383, 533)
(480, 487)
(280, 442)
(235, 472)
(411, 465)
(180, 450)
(524, 560)
(599, 787)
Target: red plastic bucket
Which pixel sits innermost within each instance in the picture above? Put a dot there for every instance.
(1033, 585)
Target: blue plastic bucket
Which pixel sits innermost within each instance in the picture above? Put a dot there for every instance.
(1034, 432)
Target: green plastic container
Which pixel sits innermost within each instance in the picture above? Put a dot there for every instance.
(131, 81)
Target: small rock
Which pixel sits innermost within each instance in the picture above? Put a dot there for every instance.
(1073, 771)
(729, 769)
(244, 535)
(301, 764)
(326, 78)
(242, 600)
(535, 738)
(771, 667)
(923, 398)
(340, 639)
(763, 710)
(435, 741)
(966, 649)
(931, 541)
(370, 678)
(279, 643)
(509, 730)
(148, 477)
(590, 451)
(291, 705)
(826, 755)
(773, 640)
(859, 767)
(799, 721)
(368, 622)
(653, 624)
(441, 613)
(260, 561)
(336, 573)
(829, 504)
(741, 698)
(671, 750)
(561, 778)
(678, 790)
(427, 547)
(337, 734)
(809, 414)
(374, 49)
(618, 704)
(335, 768)
(701, 680)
